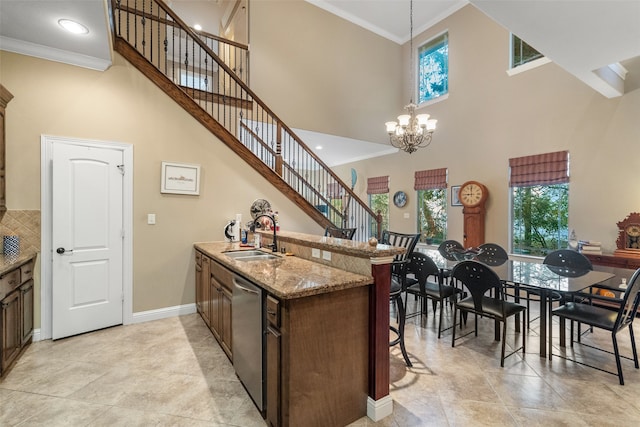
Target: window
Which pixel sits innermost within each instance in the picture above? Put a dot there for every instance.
(191, 80)
(431, 186)
(521, 52)
(433, 68)
(539, 203)
(378, 191)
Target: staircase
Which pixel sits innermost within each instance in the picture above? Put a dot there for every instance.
(206, 75)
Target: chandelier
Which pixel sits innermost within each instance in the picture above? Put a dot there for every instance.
(411, 131)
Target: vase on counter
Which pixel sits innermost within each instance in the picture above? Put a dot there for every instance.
(11, 246)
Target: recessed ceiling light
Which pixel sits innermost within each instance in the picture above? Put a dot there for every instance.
(197, 27)
(318, 147)
(73, 26)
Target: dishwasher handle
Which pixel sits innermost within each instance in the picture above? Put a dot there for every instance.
(243, 288)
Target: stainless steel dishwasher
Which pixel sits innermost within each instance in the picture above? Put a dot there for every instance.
(248, 332)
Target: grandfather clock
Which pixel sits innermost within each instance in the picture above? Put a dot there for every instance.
(473, 197)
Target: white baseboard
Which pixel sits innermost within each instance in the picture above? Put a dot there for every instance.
(36, 335)
(378, 409)
(163, 313)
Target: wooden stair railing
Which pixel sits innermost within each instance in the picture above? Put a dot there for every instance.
(156, 41)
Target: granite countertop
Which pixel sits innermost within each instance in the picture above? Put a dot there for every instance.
(347, 247)
(286, 277)
(9, 263)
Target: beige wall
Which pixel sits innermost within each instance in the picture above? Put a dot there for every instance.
(319, 72)
(490, 117)
(122, 105)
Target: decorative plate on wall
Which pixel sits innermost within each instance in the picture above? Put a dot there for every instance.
(400, 199)
(258, 207)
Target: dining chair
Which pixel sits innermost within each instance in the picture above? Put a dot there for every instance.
(446, 246)
(482, 282)
(399, 268)
(340, 233)
(423, 267)
(445, 250)
(568, 263)
(492, 254)
(604, 318)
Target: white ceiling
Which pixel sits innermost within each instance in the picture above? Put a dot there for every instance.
(581, 36)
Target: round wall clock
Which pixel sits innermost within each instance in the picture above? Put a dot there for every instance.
(400, 199)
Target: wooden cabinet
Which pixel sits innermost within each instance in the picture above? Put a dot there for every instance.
(614, 261)
(16, 312)
(5, 97)
(221, 293)
(316, 365)
(213, 298)
(274, 391)
(11, 328)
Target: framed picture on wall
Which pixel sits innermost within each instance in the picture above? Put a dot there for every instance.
(455, 189)
(180, 178)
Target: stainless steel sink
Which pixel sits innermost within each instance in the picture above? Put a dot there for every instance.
(250, 255)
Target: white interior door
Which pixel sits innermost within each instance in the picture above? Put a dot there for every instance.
(87, 239)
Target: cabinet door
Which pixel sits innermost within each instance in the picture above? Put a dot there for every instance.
(273, 377)
(216, 306)
(26, 297)
(225, 329)
(206, 291)
(198, 283)
(11, 328)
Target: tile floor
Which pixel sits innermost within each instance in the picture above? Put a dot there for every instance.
(172, 372)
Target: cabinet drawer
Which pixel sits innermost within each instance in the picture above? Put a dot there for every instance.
(273, 311)
(9, 282)
(26, 272)
(224, 276)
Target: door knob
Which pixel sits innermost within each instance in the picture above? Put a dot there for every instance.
(63, 250)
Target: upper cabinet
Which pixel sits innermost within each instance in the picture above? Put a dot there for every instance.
(5, 97)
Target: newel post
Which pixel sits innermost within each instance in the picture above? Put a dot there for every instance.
(379, 403)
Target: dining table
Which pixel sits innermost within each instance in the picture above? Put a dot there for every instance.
(548, 281)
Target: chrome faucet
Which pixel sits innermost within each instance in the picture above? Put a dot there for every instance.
(274, 246)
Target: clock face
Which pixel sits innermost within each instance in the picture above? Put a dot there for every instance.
(471, 194)
(633, 230)
(633, 236)
(400, 199)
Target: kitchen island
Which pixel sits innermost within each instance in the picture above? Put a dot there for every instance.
(322, 323)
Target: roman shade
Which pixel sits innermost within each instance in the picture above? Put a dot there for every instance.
(430, 179)
(378, 185)
(539, 169)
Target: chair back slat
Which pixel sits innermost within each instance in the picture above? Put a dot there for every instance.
(478, 279)
(407, 241)
(630, 302)
(340, 233)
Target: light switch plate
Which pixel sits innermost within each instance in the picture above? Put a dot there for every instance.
(315, 252)
(326, 255)
(151, 219)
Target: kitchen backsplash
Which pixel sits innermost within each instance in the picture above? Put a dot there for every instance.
(23, 223)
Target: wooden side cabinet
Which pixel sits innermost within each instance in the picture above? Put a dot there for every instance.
(221, 294)
(213, 299)
(16, 312)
